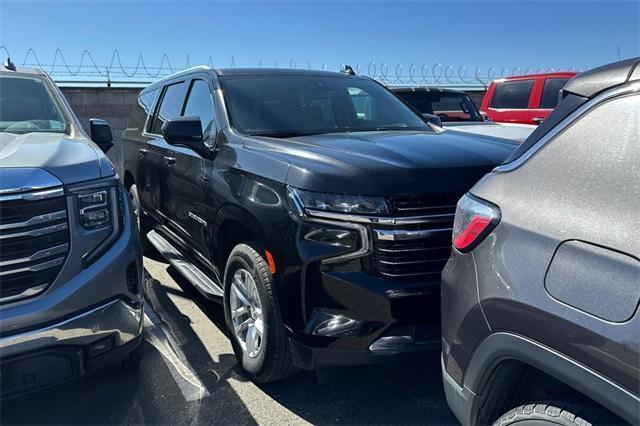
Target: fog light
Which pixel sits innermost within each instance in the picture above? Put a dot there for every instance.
(326, 324)
(100, 347)
(391, 343)
(334, 237)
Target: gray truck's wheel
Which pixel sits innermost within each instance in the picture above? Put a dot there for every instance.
(253, 317)
(545, 414)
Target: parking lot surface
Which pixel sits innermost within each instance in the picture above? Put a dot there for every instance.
(189, 375)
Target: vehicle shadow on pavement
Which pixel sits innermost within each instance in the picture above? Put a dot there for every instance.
(409, 393)
(402, 393)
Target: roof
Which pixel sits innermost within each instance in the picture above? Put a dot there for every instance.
(567, 74)
(244, 71)
(596, 80)
(425, 89)
(277, 71)
(22, 70)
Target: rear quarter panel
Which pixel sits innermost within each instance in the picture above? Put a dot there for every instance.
(577, 189)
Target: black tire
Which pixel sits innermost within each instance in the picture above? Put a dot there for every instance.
(274, 361)
(142, 222)
(546, 414)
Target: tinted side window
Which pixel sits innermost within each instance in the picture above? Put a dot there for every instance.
(551, 91)
(199, 104)
(171, 105)
(419, 100)
(512, 94)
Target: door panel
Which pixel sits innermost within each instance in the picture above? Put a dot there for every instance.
(151, 180)
(187, 203)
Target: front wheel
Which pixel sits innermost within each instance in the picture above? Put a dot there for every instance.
(253, 316)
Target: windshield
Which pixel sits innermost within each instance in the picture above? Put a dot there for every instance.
(293, 105)
(449, 106)
(26, 105)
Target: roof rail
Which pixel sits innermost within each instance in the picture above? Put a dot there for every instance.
(175, 74)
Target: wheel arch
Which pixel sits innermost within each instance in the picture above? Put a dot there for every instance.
(234, 225)
(128, 179)
(504, 356)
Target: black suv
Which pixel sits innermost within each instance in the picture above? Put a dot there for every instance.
(317, 205)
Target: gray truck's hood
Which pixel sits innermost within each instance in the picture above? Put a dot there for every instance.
(69, 159)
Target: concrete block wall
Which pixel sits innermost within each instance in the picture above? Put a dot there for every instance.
(108, 103)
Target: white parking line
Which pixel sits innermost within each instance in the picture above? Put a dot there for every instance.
(185, 377)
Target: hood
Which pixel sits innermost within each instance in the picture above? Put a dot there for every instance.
(69, 159)
(513, 132)
(387, 163)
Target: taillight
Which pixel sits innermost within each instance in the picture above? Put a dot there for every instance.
(475, 219)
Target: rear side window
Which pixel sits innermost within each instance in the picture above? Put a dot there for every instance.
(551, 91)
(200, 104)
(171, 105)
(512, 94)
(449, 106)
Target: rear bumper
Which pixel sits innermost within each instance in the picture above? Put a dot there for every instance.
(69, 349)
(460, 399)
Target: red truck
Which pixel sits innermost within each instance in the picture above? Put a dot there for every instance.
(526, 99)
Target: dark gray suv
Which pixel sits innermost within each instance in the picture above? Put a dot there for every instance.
(540, 298)
(70, 257)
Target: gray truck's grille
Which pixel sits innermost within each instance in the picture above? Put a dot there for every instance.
(418, 251)
(34, 242)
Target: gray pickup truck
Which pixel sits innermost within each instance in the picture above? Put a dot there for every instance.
(70, 257)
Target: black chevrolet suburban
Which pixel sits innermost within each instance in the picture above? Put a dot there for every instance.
(316, 206)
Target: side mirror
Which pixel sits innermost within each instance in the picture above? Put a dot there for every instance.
(485, 116)
(433, 119)
(101, 133)
(185, 131)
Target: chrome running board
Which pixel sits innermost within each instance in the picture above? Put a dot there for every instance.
(190, 271)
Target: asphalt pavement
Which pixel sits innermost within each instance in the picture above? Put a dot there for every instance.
(189, 375)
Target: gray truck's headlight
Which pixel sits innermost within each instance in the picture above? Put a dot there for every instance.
(338, 203)
(100, 212)
(94, 208)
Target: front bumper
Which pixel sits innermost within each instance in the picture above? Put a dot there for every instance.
(68, 349)
(356, 318)
(350, 312)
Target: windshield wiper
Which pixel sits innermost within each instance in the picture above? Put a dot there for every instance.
(284, 135)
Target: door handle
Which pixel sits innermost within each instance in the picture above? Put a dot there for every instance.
(169, 160)
(142, 152)
(537, 120)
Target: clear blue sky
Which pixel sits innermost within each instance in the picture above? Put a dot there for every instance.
(579, 34)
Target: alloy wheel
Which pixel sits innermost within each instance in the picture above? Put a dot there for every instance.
(246, 313)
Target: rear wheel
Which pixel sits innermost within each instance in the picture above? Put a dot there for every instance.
(546, 414)
(253, 316)
(142, 222)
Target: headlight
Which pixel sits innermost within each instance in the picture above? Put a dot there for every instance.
(94, 209)
(99, 205)
(338, 203)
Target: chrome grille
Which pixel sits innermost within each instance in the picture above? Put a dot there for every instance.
(418, 250)
(426, 204)
(34, 242)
